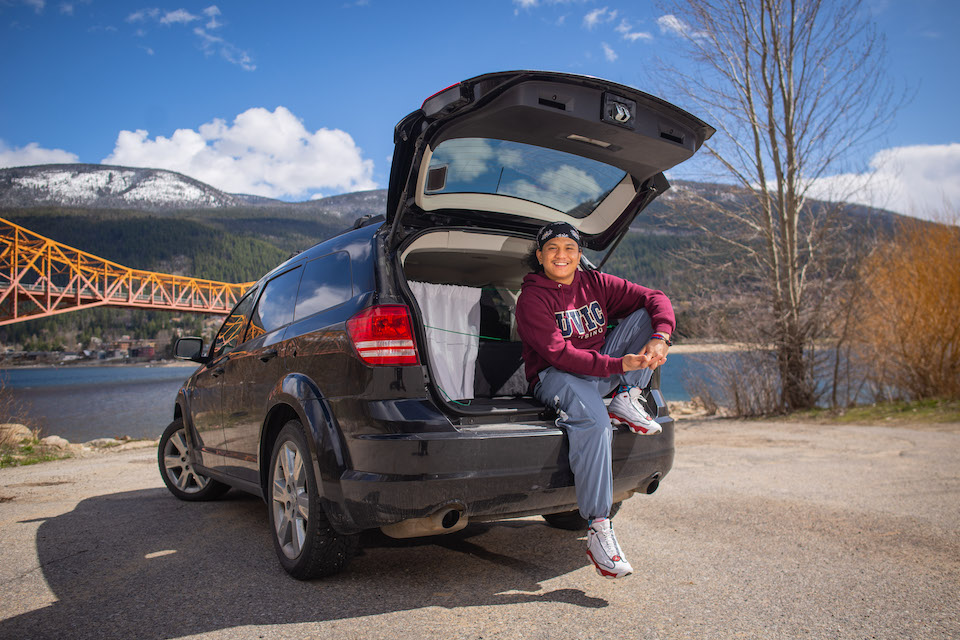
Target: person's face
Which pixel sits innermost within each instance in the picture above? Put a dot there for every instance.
(559, 257)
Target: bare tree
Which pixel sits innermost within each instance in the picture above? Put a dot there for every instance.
(793, 87)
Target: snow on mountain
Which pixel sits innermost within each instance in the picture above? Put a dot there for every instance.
(107, 187)
(348, 205)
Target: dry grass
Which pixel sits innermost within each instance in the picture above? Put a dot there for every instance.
(933, 413)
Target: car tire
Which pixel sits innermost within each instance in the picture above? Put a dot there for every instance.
(176, 467)
(306, 545)
(571, 520)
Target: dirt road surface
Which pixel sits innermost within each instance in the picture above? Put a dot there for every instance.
(762, 530)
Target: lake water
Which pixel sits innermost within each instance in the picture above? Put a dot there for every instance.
(82, 403)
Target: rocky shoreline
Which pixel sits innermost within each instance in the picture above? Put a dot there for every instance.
(20, 444)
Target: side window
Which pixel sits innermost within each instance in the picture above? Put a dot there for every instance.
(229, 335)
(275, 308)
(326, 283)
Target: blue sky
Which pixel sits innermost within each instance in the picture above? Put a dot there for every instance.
(299, 99)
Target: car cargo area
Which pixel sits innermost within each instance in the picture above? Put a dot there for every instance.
(466, 286)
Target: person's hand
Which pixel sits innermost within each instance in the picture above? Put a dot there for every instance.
(654, 354)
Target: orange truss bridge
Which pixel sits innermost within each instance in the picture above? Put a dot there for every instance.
(41, 277)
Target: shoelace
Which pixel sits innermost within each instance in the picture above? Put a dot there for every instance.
(608, 542)
(638, 405)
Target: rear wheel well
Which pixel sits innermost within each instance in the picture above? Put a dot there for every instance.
(276, 419)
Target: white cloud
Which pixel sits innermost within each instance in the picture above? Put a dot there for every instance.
(608, 52)
(180, 16)
(261, 153)
(209, 43)
(532, 4)
(637, 35)
(561, 188)
(68, 8)
(916, 180)
(38, 5)
(510, 157)
(212, 12)
(33, 154)
(598, 16)
(467, 158)
(528, 5)
(625, 29)
(214, 44)
(143, 14)
(671, 24)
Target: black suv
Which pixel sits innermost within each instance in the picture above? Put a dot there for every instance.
(375, 380)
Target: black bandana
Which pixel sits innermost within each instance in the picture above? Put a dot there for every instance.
(557, 230)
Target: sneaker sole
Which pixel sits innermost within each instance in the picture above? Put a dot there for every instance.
(636, 428)
(606, 573)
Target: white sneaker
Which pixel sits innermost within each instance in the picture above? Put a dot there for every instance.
(604, 552)
(627, 408)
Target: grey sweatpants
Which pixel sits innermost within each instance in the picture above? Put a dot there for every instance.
(579, 402)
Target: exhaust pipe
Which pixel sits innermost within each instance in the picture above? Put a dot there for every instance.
(651, 485)
(654, 483)
(447, 520)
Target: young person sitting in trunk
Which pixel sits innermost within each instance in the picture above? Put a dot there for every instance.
(572, 362)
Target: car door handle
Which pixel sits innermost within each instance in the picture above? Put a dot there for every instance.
(268, 355)
(217, 372)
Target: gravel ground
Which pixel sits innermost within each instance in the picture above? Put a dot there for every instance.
(762, 530)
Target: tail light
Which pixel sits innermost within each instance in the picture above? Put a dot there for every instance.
(383, 336)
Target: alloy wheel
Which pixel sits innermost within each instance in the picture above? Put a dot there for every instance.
(291, 508)
(177, 466)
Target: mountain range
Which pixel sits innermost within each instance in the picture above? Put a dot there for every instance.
(165, 221)
(94, 187)
(116, 211)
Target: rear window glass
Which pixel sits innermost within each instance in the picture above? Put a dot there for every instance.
(326, 283)
(562, 181)
(275, 308)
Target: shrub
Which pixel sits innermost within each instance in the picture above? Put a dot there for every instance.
(906, 320)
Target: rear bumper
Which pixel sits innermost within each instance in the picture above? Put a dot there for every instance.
(489, 472)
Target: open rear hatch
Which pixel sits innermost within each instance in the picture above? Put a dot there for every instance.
(511, 151)
(478, 170)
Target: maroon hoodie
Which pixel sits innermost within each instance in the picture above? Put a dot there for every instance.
(564, 326)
